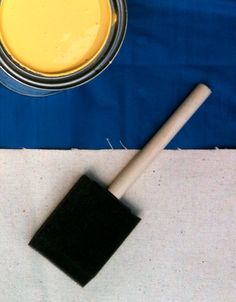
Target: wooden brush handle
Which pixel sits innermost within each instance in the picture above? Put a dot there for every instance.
(162, 138)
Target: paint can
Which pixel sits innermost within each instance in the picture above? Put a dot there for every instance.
(25, 82)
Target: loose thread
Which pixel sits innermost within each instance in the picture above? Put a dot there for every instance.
(123, 145)
(109, 143)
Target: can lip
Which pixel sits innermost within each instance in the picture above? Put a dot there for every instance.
(80, 77)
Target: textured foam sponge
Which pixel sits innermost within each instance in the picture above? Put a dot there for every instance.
(84, 230)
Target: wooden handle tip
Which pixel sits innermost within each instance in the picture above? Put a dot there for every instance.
(205, 87)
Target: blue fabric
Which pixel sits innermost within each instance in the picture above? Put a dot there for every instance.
(170, 46)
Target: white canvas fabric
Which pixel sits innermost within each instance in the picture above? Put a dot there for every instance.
(183, 250)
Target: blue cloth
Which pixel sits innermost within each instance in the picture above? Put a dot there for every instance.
(170, 46)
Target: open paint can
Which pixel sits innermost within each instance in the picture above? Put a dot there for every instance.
(50, 46)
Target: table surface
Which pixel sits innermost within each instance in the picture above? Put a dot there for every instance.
(183, 250)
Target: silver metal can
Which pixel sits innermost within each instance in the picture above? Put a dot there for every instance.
(20, 80)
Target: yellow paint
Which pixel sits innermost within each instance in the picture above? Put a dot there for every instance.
(54, 37)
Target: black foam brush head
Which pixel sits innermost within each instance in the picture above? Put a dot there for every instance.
(84, 231)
